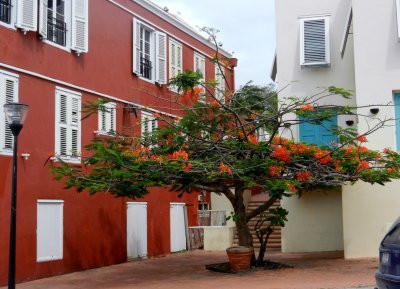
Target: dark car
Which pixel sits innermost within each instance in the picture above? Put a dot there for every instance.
(388, 274)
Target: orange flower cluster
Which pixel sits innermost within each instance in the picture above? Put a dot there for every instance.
(363, 165)
(279, 140)
(193, 94)
(253, 139)
(303, 176)
(323, 157)
(307, 107)
(137, 152)
(157, 158)
(225, 168)
(214, 103)
(281, 153)
(187, 167)
(276, 171)
(361, 138)
(291, 187)
(179, 155)
(299, 148)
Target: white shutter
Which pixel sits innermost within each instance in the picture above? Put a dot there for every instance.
(314, 41)
(80, 26)
(49, 230)
(43, 18)
(107, 118)
(136, 46)
(200, 65)
(219, 78)
(27, 15)
(179, 59)
(161, 58)
(68, 125)
(9, 94)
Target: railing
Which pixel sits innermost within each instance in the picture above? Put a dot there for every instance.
(212, 218)
(57, 31)
(145, 68)
(5, 11)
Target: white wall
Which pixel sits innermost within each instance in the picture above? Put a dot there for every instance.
(367, 210)
(314, 222)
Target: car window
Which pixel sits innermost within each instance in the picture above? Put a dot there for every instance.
(393, 237)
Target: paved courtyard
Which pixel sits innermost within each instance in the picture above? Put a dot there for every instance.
(187, 271)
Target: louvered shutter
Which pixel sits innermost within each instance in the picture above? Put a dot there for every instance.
(68, 126)
(172, 60)
(136, 47)
(27, 15)
(80, 26)
(74, 126)
(113, 118)
(179, 59)
(102, 120)
(43, 18)
(62, 110)
(315, 41)
(9, 88)
(107, 118)
(219, 78)
(161, 58)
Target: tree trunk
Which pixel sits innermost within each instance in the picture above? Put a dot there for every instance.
(243, 231)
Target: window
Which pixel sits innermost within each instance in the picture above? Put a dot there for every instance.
(318, 134)
(68, 125)
(175, 59)
(346, 33)
(49, 230)
(8, 94)
(149, 53)
(25, 17)
(397, 119)
(200, 65)
(65, 23)
(149, 125)
(107, 118)
(220, 79)
(314, 41)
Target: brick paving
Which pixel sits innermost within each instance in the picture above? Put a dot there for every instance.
(187, 271)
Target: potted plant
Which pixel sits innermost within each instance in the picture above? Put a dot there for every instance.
(240, 258)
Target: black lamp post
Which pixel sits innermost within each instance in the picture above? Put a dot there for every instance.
(15, 114)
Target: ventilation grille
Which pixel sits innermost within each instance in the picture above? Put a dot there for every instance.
(314, 41)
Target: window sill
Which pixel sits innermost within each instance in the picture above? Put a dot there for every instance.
(6, 153)
(65, 48)
(9, 26)
(48, 259)
(102, 133)
(65, 159)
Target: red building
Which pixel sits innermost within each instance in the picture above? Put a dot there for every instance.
(55, 55)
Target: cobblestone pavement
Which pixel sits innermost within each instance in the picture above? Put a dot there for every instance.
(187, 271)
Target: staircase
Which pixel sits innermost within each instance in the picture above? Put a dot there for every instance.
(274, 241)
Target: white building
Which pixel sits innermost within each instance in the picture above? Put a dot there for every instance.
(354, 45)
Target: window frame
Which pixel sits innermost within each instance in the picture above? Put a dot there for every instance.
(171, 65)
(69, 94)
(147, 117)
(13, 16)
(68, 25)
(327, 61)
(14, 77)
(110, 119)
(220, 88)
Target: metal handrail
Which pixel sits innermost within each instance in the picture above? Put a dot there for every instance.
(56, 31)
(145, 68)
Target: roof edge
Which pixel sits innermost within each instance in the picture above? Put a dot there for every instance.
(185, 28)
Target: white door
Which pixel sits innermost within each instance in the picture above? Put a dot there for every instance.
(178, 227)
(137, 230)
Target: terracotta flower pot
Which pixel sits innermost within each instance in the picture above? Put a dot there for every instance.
(240, 258)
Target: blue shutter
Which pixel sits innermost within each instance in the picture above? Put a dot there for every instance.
(397, 116)
(318, 134)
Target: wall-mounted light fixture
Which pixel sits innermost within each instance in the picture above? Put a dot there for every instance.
(25, 156)
(349, 122)
(374, 110)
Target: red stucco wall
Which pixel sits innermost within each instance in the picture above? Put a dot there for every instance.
(94, 226)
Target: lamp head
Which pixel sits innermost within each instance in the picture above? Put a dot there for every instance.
(16, 114)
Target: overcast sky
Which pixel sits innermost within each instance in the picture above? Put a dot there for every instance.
(247, 27)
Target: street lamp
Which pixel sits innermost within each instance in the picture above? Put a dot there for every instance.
(15, 114)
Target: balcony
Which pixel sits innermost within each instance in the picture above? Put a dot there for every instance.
(56, 31)
(145, 68)
(5, 11)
